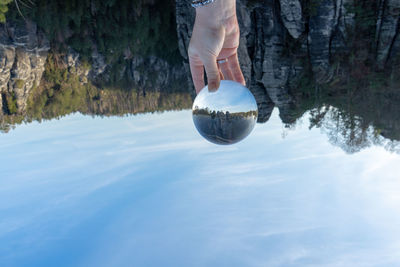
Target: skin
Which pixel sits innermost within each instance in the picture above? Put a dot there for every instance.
(215, 36)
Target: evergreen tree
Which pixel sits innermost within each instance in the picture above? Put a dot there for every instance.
(3, 9)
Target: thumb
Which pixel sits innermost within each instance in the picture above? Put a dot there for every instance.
(212, 71)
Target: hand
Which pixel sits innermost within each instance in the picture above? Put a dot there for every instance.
(215, 37)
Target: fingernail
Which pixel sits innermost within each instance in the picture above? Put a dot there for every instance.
(212, 87)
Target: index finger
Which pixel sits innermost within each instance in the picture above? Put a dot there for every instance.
(197, 71)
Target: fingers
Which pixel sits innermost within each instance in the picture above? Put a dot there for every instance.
(226, 71)
(213, 73)
(234, 66)
(227, 52)
(197, 70)
(221, 75)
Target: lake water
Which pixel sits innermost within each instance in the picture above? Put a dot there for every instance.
(148, 190)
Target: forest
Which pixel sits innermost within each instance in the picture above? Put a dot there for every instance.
(109, 25)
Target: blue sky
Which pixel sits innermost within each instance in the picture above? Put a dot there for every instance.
(231, 96)
(147, 190)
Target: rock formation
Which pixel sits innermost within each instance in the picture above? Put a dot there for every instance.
(283, 40)
(143, 73)
(292, 17)
(23, 53)
(387, 33)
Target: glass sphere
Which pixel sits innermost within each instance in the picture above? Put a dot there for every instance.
(226, 116)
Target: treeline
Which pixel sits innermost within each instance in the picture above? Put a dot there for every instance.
(62, 93)
(119, 31)
(353, 113)
(207, 112)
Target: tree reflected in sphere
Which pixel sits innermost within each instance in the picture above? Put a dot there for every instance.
(226, 116)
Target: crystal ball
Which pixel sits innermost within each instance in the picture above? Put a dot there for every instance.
(227, 115)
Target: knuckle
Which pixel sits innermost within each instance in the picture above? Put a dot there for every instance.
(212, 74)
(192, 51)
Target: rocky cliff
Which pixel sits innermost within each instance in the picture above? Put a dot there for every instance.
(23, 53)
(150, 73)
(284, 41)
(282, 44)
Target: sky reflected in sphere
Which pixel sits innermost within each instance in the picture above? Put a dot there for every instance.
(226, 116)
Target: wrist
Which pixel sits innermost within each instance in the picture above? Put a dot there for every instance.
(216, 13)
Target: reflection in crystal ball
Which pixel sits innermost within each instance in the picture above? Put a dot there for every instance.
(226, 116)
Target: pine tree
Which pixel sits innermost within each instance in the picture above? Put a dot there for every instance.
(3, 10)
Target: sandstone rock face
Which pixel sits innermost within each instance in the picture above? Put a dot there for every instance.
(321, 28)
(24, 50)
(185, 15)
(155, 74)
(7, 58)
(142, 73)
(86, 72)
(292, 17)
(261, 51)
(76, 67)
(280, 39)
(245, 25)
(23, 53)
(98, 64)
(387, 29)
